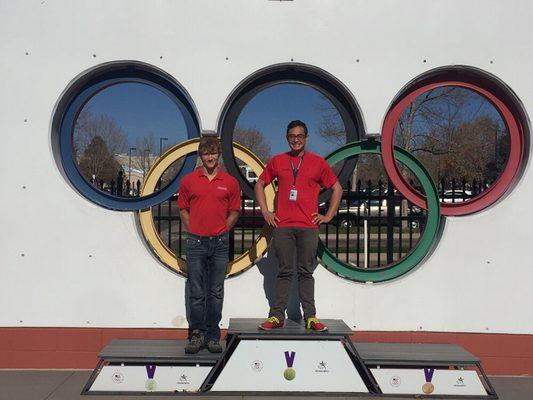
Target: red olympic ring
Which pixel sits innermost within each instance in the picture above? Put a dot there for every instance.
(481, 201)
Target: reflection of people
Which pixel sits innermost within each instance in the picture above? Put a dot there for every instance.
(209, 200)
(300, 175)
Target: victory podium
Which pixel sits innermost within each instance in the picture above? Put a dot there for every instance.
(290, 360)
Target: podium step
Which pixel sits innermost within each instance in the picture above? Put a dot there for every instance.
(414, 353)
(248, 328)
(155, 351)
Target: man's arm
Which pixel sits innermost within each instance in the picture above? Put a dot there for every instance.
(333, 205)
(184, 215)
(260, 196)
(232, 219)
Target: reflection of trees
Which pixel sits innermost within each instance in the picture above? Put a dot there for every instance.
(145, 146)
(253, 139)
(88, 126)
(96, 141)
(97, 162)
(331, 127)
(446, 130)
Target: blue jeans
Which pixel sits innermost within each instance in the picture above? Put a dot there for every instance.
(207, 261)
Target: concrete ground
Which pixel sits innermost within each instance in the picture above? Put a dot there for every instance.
(67, 385)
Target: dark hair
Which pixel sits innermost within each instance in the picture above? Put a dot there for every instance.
(209, 144)
(295, 123)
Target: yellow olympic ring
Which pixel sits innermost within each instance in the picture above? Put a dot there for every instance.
(163, 252)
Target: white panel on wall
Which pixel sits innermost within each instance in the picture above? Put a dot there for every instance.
(68, 262)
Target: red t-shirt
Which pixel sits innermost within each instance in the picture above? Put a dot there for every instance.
(209, 202)
(314, 172)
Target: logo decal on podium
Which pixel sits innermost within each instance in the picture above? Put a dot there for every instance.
(257, 366)
(183, 380)
(118, 377)
(322, 366)
(289, 373)
(460, 382)
(395, 381)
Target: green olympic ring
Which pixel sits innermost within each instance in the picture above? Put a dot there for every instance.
(425, 243)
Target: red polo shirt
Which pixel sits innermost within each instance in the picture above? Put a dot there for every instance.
(314, 172)
(209, 202)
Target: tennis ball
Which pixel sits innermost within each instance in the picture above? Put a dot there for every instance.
(289, 374)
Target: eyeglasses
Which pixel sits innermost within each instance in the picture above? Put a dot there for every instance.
(299, 137)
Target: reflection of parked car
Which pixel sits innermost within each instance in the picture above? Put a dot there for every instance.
(250, 216)
(248, 173)
(456, 196)
(373, 210)
(350, 215)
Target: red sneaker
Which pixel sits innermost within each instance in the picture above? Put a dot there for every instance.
(315, 324)
(271, 323)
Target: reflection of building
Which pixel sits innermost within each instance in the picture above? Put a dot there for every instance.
(248, 173)
(140, 165)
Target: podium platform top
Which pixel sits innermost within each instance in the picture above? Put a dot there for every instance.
(151, 350)
(413, 353)
(248, 328)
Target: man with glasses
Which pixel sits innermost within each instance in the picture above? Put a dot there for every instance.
(300, 176)
(209, 200)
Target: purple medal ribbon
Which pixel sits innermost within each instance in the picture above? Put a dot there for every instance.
(428, 372)
(289, 358)
(150, 370)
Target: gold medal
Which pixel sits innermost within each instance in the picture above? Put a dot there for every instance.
(428, 388)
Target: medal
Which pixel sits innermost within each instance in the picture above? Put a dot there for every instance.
(289, 372)
(150, 384)
(428, 387)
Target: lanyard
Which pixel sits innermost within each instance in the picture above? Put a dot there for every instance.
(295, 170)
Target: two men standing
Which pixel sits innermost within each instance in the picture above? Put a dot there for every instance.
(209, 202)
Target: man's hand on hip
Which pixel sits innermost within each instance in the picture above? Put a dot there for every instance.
(320, 219)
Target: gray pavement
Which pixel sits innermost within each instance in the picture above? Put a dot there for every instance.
(67, 385)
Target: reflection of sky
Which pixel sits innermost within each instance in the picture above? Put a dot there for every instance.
(473, 107)
(272, 109)
(141, 109)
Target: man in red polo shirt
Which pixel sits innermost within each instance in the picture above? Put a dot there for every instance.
(209, 200)
(300, 176)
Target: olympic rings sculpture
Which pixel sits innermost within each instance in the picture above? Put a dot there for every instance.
(251, 256)
(107, 75)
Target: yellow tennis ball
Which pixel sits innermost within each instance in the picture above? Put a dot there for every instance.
(289, 374)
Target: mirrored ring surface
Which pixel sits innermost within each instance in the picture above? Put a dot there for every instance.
(427, 239)
(303, 74)
(163, 252)
(91, 84)
(487, 197)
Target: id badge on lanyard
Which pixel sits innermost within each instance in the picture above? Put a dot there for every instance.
(293, 194)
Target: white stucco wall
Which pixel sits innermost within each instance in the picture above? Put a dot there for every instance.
(83, 265)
